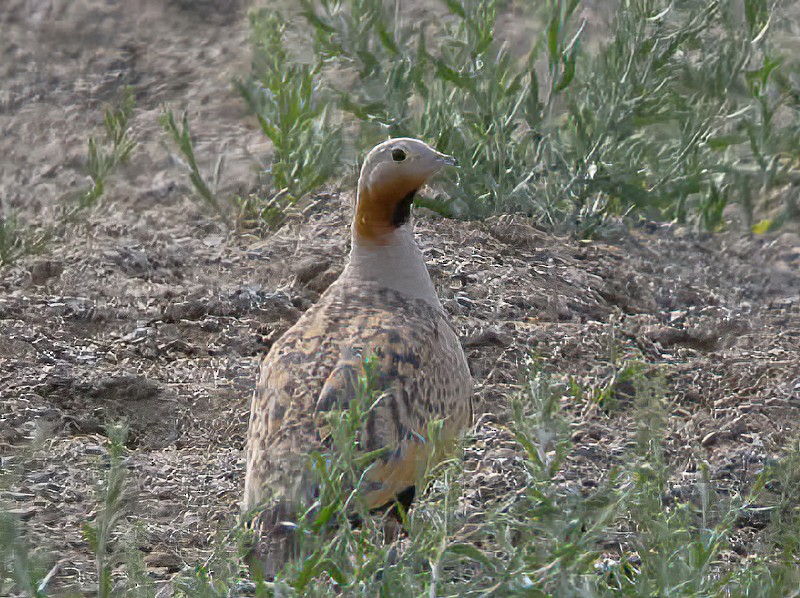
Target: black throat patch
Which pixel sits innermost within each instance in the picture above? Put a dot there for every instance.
(402, 211)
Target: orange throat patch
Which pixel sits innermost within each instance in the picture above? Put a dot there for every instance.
(378, 215)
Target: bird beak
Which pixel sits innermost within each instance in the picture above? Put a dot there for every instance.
(448, 160)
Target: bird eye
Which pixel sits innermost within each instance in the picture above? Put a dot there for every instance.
(398, 155)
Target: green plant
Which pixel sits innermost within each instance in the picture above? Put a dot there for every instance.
(18, 239)
(628, 536)
(18, 571)
(221, 572)
(468, 96)
(676, 543)
(182, 137)
(362, 36)
(543, 539)
(112, 503)
(253, 211)
(782, 479)
(537, 538)
(662, 122)
(293, 110)
(115, 149)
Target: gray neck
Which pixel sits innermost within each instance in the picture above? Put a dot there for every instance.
(398, 265)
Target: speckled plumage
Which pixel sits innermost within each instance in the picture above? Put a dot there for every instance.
(419, 365)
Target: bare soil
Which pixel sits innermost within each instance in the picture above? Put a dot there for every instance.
(150, 311)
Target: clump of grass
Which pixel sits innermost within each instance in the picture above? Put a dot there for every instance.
(293, 110)
(115, 148)
(536, 540)
(684, 110)
(18, 239)
(545, 539)
(182, 136)
(253, 211)
(245, 213)
(468, 96)
(657, 128)
(111, 509)
(675, 545)
(362, 36)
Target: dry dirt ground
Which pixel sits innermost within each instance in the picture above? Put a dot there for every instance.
(150, 311)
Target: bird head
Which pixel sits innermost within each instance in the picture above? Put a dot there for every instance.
(390, 176)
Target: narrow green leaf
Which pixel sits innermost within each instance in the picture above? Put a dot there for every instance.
(568, 73)
(457, 8)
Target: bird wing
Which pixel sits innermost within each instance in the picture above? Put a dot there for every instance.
(388, 377)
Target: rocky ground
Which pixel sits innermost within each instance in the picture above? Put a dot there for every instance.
(151, 311)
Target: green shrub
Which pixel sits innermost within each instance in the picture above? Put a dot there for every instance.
(685, 108)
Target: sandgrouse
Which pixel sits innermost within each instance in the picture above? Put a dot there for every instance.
(383, 305)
